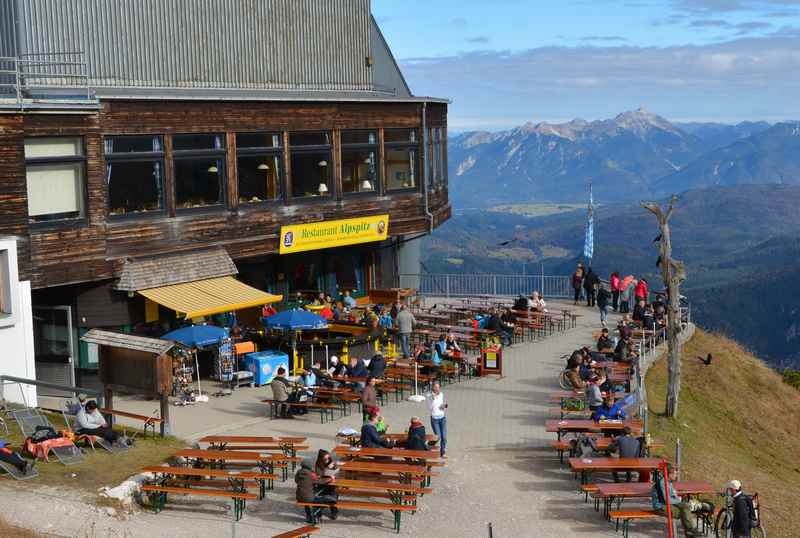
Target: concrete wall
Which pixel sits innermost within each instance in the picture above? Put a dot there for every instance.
(409, 256)
(16, 331)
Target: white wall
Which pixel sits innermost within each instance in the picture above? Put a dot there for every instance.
(409, 255)
(16, 334)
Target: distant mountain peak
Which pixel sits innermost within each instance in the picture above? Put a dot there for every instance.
(642, 120)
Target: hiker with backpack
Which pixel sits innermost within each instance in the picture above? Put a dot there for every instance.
(680, 509)
(745, 516)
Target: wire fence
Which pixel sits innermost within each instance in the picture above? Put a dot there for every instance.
(460, 285)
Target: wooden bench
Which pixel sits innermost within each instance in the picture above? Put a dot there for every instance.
(313, 510)
(323, 408)
(238, 498)
(302, 532)
(626, 516)
(264, 480)
(148, 422)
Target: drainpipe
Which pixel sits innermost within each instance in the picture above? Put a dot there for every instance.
(425, 165)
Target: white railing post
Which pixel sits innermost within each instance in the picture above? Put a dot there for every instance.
(494, 285)
(447, 285)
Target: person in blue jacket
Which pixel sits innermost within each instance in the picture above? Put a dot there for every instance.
(610, 410)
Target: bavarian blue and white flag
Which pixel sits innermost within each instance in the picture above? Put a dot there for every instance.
(588, 246)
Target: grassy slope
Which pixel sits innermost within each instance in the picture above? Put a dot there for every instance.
(737, 419)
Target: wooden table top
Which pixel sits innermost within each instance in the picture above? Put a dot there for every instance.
(219, 473)
(378, 486)
(614, 464)
(642, 489)
(379, 467)
(245, 439)
(584, 424)
(232, 455)
(427, 455)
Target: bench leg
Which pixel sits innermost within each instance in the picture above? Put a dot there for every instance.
(625, 528)
(397, 514)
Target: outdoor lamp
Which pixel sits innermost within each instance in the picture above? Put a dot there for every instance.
(213, 169)
(323, 188)
(322, 164)
(263, 166)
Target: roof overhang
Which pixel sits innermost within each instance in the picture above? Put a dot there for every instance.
(128, 341)
(174, 268)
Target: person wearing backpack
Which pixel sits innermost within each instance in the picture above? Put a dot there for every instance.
(744, 512)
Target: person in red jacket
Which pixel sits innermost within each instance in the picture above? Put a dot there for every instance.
(616, 284)
(641, 290)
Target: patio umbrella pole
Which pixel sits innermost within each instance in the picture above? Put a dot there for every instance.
(416, 397)
(327, 366)
(197, 369)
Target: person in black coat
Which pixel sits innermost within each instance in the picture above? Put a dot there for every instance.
(370, 438)
(377, 366)
(590, 283)
(741, 510)
(417, 439)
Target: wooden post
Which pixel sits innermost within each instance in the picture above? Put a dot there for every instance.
(673, 273)
(165, 425)
(108, 396)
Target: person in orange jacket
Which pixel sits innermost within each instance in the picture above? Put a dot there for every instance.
(616, 287)
(641, 290)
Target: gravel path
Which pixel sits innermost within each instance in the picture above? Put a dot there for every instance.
(500, 470)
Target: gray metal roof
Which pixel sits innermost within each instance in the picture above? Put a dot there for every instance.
(128, 341)
(244, 44)
(177, 268)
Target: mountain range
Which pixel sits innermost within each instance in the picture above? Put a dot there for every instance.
(635, 155)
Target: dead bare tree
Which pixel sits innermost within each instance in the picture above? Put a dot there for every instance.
(673, 272)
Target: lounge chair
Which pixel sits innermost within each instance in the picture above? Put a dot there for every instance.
(14, 472)
(4, 425)
(69, 411)
(29, 418)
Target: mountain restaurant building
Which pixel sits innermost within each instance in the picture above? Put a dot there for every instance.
(179, 159)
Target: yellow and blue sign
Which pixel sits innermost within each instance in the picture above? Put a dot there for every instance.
(333, 233)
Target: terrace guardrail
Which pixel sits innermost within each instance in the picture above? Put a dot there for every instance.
(466, 285)
(28, 78)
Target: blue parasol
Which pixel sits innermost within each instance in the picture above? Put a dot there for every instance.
(294, 320)
(197, 335)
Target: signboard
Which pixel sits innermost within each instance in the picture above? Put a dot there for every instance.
(491, 361)
(333, 233)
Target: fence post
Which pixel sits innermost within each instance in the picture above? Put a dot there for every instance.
(494, 285)
(447, 285)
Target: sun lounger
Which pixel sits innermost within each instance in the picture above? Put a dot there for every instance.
(29, 418)
(13, 471)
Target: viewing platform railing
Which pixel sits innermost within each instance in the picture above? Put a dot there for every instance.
(462, 285)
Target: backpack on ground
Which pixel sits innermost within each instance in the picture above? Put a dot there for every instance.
(44, 433)
(752, 511)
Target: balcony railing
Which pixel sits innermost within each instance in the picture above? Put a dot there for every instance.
(36, 78)
(458, 285)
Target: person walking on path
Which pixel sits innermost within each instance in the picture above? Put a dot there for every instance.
(577, 282)
(437, 407)
(602, 303)
(405, 324)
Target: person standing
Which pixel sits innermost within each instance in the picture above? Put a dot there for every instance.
(405, 324)
(603, 297)
(369, 400)
(616, 283)
(577, 282)
(437, 408)
(641, 291)
(590, 286)
(743, 510)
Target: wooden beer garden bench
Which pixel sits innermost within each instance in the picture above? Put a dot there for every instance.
(602, 443)
(288, 445)
(302, 532)
(626, 516)
(610, 492)
(324, 409)
(147, 422)
(190, 476)
(239, 498)
(313, 510)
(227, 458)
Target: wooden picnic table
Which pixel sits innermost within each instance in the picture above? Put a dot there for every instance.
(583, 425)
(404, 472)
(585, 466)
(236, 478)
(287, 445)
(610, 492)
(354, 439)
(427, 456)
(264, 460)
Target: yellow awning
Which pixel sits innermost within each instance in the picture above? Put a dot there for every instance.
(210, 296)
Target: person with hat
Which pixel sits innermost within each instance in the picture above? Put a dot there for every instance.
(306, 479)
(743, 510)
(417, 438)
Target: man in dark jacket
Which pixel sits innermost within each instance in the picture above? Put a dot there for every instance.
(370, 438)
(604, 342)
(741, 510)
(376, 366)
(306, 479)
(628, 446)
(417, 439)
(589, 286)
(496, 325)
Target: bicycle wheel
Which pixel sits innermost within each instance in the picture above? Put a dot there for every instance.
(563, 381)
(722, 526)
(758, 532)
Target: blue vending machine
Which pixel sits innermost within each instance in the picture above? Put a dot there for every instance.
(264, 365)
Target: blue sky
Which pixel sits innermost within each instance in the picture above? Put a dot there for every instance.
(505, 62)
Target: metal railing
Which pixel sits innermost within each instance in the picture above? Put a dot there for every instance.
(50, 76)
(458, 285)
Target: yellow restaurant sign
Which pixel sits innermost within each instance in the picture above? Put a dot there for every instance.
(333, 233)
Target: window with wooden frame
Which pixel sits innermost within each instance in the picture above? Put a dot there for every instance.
(55, 171)
(199, 161)
(134, 174)
(360, 162)
(311, 172)
(401, 147)
(259, 167)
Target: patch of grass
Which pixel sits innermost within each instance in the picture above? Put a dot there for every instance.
(737, 419)
(100, 468)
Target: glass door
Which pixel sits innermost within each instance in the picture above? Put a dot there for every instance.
(54, 347)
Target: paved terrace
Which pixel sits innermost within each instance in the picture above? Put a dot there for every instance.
(500, 468)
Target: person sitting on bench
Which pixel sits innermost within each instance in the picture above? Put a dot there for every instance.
(610, 410)
(283, 393)
(417, 439)
(89, 421)
(679, 508)
(306, 480)
(604, 342)
(370, 438)
(628, 446)
(377, 366)
(357, 368)
(14, 459)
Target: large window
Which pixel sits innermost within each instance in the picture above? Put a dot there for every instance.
(402, 158)
(311, 164)
(199, 170)
(55, 170)
(438, 161)
(259, 165)
(359, 161)
(134, 174)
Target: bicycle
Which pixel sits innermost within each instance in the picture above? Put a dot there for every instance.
(724, 521)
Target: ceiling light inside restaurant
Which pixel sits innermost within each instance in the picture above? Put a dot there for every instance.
(323, 188)
(263, 166)
(366, 185)
(322, 164)
(213, 169)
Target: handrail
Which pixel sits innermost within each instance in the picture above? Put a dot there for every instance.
(22, 75)
(9, 379)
